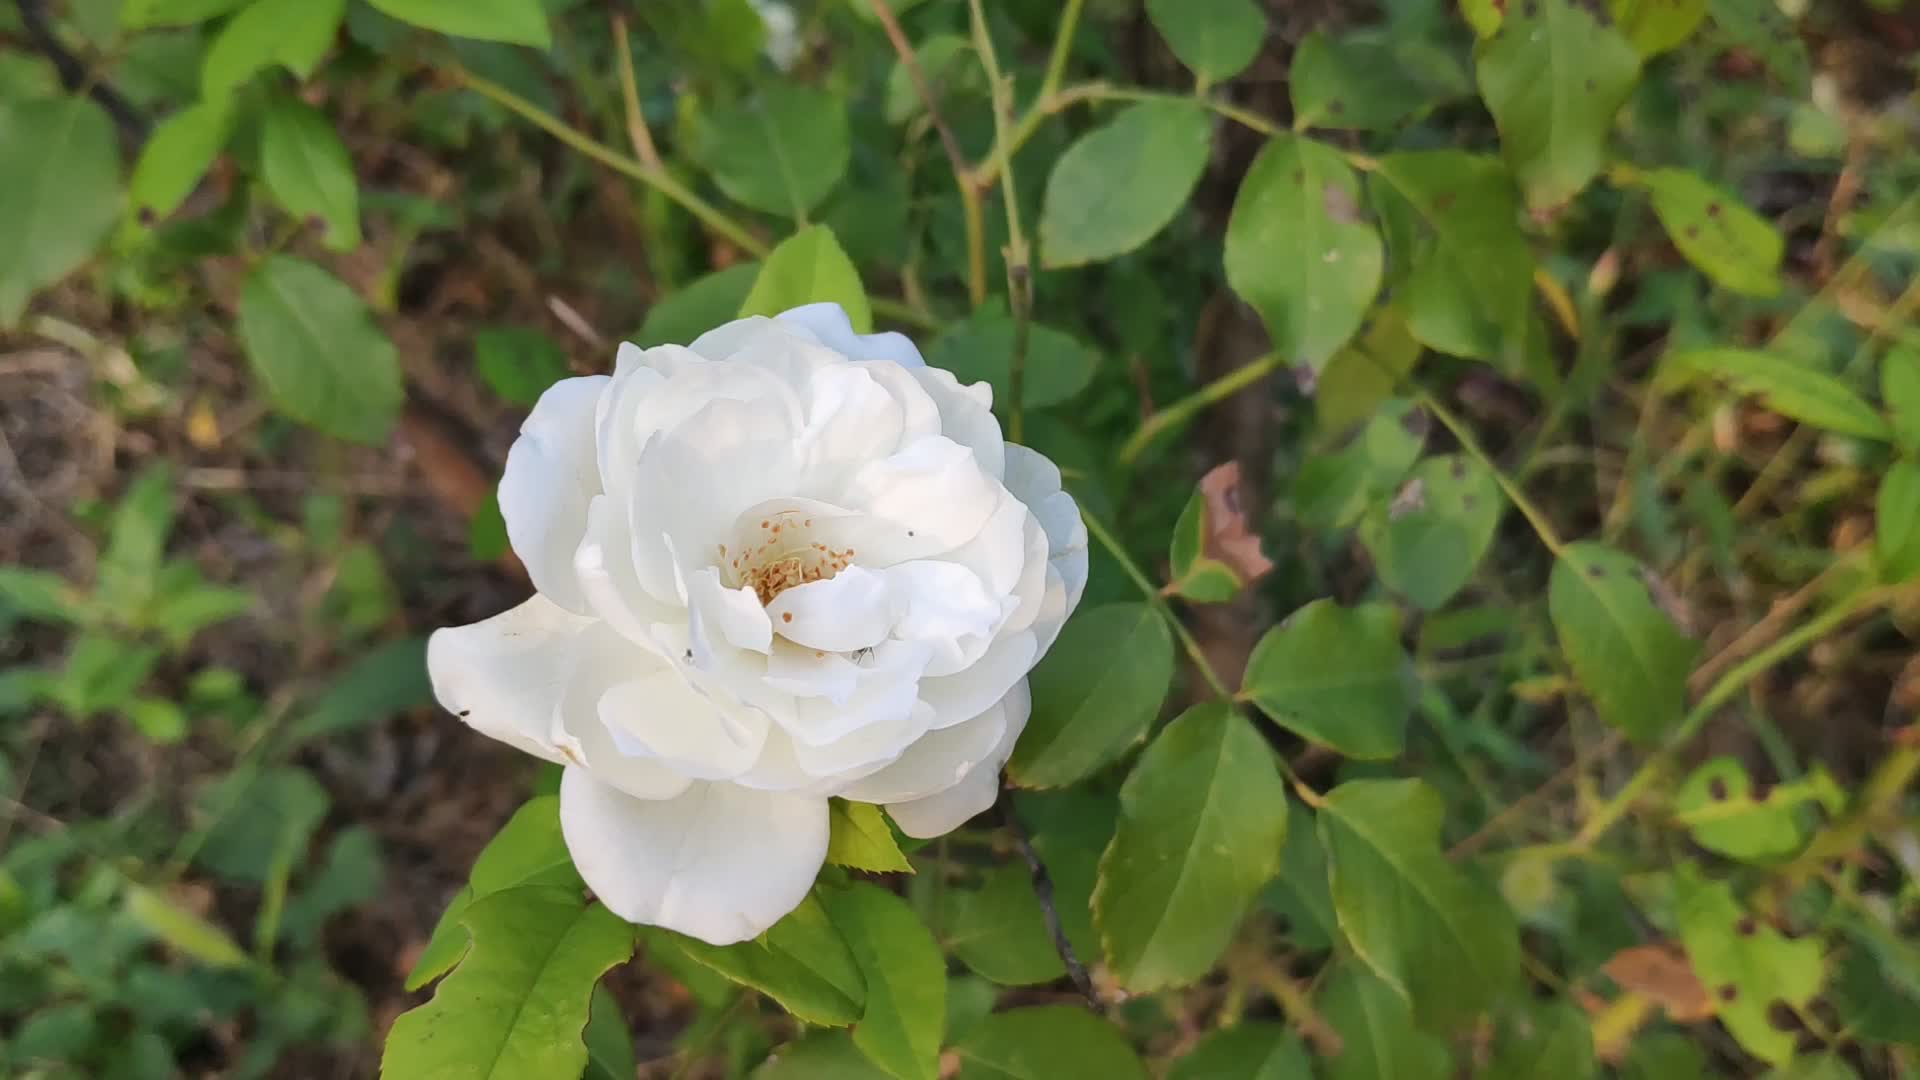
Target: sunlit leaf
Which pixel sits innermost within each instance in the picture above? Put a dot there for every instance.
(1625, 651)
(904, 1019)
(516, 22)
(809, 267)
(1717, 233)
(1122, 182)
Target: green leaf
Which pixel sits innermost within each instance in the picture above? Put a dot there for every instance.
(315, 346)
(1469, 270)
(38, 594)
(1746, 963)
(519, 363)
(1195, 576)
(294, 34)
(1368, 80)
(950, 66)
(1553, 77)
(1300, 894)
(1250, 1050)
(1202, 819)
(181, 930)
(129, 569)
(1725, 814)
(516, 22)
(1426, 543)
(306, 167)
(518, 1002)
(1363, 375)
(860, 838)
(176, 156)
(258, 819)
(1378, 1038)
(697, 307)
(146, 14)
(1215, 38)
(1900, 391)
(1625, 651)
(609, 1041)
(904, 1021)
(1094, 695)
(1549, 1041)
(809, 267)
(819, 1055)
(1664, 1055)
(1655, 26)
(527, 851)
(1333, 490)
(1788, 385)
(1336, 676)
(1763, 31)
(350, 877)
(1123, 181)
(998, 930)
(158, 719)
(1717, 233)
(1439, 936)
(390, 679)
(1827, 1066)
(1897, 517)
(1045, 1043)
(60, 168)
(1872, 1004)
(1299, 250)
(980, 348)
(802, 962)
(780, 152)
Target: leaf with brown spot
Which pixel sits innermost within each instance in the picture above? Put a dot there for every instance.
(1215, 553)
(1660, 972)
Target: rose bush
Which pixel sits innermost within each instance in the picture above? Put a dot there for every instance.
(784, 563)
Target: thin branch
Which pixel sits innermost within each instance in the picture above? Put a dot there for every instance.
(637, 132)
(924, 87)
(1043, 889)
(1017, 255)
(73, 73)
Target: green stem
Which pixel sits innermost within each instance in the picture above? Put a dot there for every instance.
(1541, 526)
(1186, 408)
(1151, 592)
(1717, 695)
(1062, 45)
(1019, 271)
(658, 179)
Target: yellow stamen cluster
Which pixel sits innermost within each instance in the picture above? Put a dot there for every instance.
(775, 566)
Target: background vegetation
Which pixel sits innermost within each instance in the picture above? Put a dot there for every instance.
(1526, 690)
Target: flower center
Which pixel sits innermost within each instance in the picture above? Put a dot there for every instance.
(780, 554)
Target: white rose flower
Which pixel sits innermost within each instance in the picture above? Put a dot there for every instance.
(783, 563)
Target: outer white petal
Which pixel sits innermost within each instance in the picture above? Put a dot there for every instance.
(966, 416)
(1036, 481)
(829, 323)
(505, 676)
(552, 473)
(972, 690)
(945, 811)
(946, 606)
(934, 763)
(720, 862)
(854, 609)
(934, 487)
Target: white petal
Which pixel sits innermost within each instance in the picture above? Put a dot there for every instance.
(812, 672)
(867, 747)
(851, 419)
(720, 862)
(943, 604)
(550, 477)
(505, 676)
(945, 811)
(935, 762)
(854, 609)
(608, 565)
(602, 659)
(659, 715)
(885, 694)
(829, 323)
(734, 615)
(966, 416)
(934, 487)
(970, 691)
